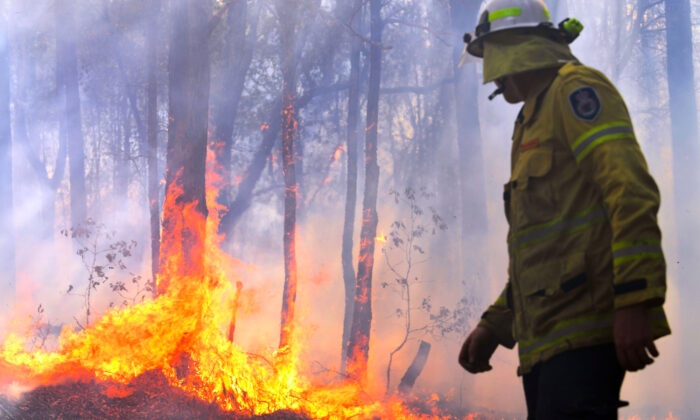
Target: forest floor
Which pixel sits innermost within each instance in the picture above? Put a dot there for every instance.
(152, 398)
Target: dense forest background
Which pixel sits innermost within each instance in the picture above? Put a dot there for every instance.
(353, 154)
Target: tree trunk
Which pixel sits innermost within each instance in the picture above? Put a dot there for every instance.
(472, 194)
(415, 369)
(40, 226)
(350, 197)
(287, 13)
(251, 176)
(234, 311)
(49, 184)
(152, 121)
(239, 48)
(67, 82)
(358, 347)
(7, 240)
(188, 105)
(120, 180)
(650, 83)
(686, 173)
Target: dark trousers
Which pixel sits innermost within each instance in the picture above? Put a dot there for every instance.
(578, 384)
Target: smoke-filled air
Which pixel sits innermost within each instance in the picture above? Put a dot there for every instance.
(294, 209)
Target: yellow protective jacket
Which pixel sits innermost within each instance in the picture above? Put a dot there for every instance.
(581, 206)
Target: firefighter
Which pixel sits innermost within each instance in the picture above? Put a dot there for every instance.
(586, 277)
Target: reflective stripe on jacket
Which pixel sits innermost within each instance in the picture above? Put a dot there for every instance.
(582, 210)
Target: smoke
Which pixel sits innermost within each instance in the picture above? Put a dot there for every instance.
(417, 137)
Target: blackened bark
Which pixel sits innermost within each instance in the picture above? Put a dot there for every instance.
(415, 369)
(188, 106)
(7, 240)
(350, 197)
(358, 348)
(239, 48)
(71, 120)
(287, 13)
(152, 121)
(234, 312)
(686, 171)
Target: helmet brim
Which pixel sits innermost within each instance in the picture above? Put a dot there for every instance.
(476, 46)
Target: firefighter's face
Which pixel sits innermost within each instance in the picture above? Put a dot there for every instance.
(513, 92)
(520, 86)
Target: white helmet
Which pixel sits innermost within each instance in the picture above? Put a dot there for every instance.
(528, 15)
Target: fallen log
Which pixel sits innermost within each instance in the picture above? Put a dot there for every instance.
(415, 369)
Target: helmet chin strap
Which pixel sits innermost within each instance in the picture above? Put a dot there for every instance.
(500, 90)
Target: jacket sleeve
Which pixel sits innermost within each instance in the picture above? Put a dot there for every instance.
(498, 319)
(597, 126)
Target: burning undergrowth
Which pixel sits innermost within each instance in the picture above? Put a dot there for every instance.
(171, 358)
(147, 396)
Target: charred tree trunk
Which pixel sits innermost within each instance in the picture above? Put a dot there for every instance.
(686, 171)
(287, 13)
(234, 311)
(7, 241)
(67, 82)
(358, 347)
(415, 369)
(188, 105)
(251, 176)
(239, 48)
(472, 194)
(152, 122)
(350, 198)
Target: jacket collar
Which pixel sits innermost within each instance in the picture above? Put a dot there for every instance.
(530, 109)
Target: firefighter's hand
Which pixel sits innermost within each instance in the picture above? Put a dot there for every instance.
(477, 350)
(634, 342)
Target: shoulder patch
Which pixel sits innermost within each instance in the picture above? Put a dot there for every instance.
(585, 103)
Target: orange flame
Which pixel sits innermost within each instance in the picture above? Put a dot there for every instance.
(336, 154)
(189, 320)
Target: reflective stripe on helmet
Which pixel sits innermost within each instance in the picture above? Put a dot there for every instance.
(504, 13)
(560, 225)
(636, 250)
(530, 16)
(598, 135)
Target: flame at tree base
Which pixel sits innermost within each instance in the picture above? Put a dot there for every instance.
(180, 333)
(177, 340)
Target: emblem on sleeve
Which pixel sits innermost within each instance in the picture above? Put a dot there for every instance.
(585, 103)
